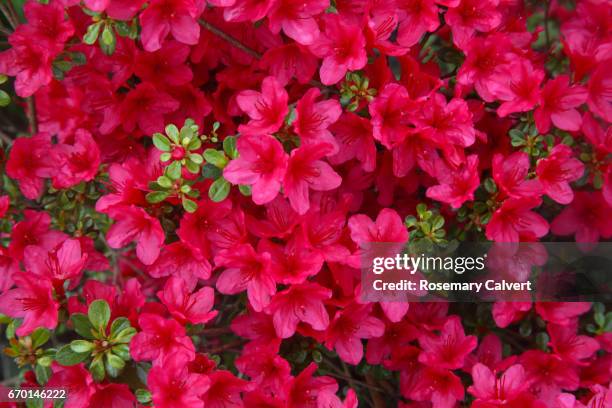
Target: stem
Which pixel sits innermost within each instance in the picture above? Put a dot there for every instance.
(32, 114)
(377, 398)
(233, 41)
(246, 49)
(546, 31)
(8, 15)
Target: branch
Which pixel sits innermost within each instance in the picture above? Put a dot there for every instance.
(233, 41)
(377, 398)
(32, 120)
(246, 49)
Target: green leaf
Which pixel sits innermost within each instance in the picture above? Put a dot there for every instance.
(196, 158)
(118, 325)
(219, 190)
(81, 346)
(164, 181)
(189, 205)
(82, 325)
(143, 396)
(195, 144)
(67, 357)
(192, 167)
(156, 196)
(229, 147)
(211, 172)
(245, 190)
(490, 186)
(174, 170)
(3, 79)
(5, 99)
(113, 364)
(92, 33)
(97, 368)
(215, 158)
(99, 314)
(410, 221)
(125, 335)
(123, 29)
(122, 350)
(39, 337)
(107, 40)
(42, 374)
(437, 222)
(173, 133)
(161, 142)
(164, 157)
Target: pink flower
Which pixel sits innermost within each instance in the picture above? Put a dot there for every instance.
(313, 118)
(416, 18)
(134, 224)
(517, 85)
(449, 349)
(262, 164)
(31, 300)
(78, 162)
(545, 370)
(162, 17)
(299, 303)
(388, 111)
(245, 10)
(600, 92)
(441, 387)
(297, 19)
(556, 171)
(29, 162)
(505, 313)
(265, 367)
(570, 346)
(5, 203)
(304, 390)
(246, 270)
(65, 261)
(185, 306)
(483, 57)
(173, 386)
(288, 61)
(562, 313)
(112, 395)
(267, 109)
(161, 340)
(514, 221)
(77, 380)
(558, 103)
(456, 186)
(167, 65)
(342, 47)
(388, 227)
(491, 391)
(34, 230)
(354, 137)
(510, 174)
(47, 24)
(444, 123)
(306, 171)
(181, 260)
(144, 107)
(469, 16)
(116, 9)
(586, 218)
(225, 390)
(348, 327)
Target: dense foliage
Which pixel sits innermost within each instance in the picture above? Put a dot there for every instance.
(185, 196)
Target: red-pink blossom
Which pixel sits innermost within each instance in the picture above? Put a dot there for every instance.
(558, 103)
(556, 171)
(185, 306)
(161, 340)
(299, 303)
(162, 17)
(262, 164)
